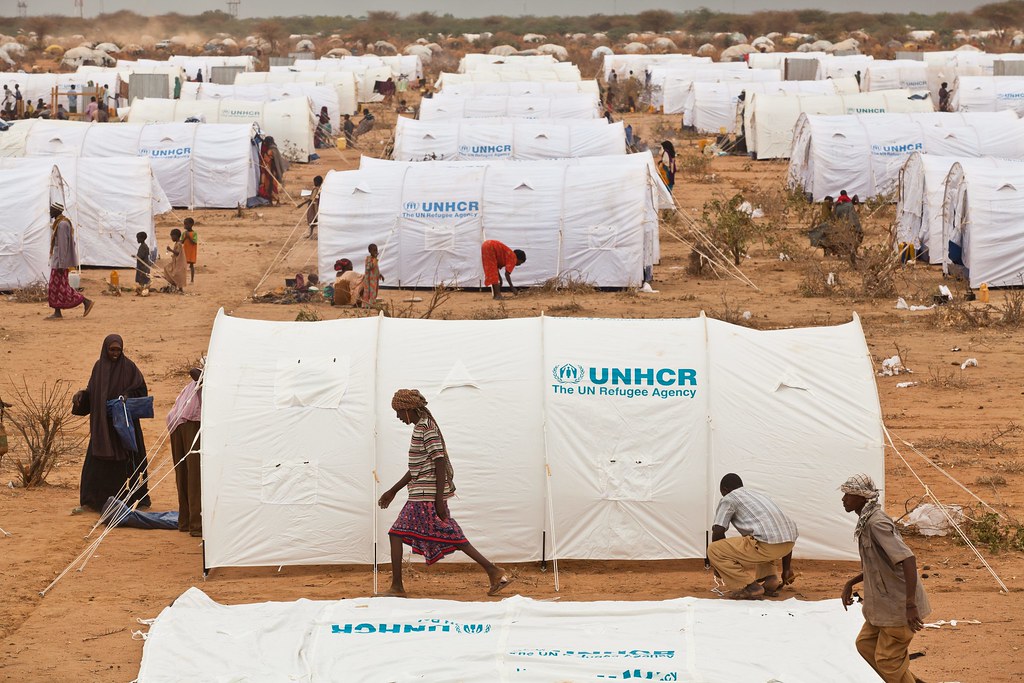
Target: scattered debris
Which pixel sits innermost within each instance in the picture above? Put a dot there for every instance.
(647, 289)
(954, 623)
(969, 363)
(931, 520)
(904, 385)
(902, 305)
(894, 366)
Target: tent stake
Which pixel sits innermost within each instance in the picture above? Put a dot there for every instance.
(543, 551)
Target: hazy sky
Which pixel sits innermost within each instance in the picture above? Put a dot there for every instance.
(472, 8)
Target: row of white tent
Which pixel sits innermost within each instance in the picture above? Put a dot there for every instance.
(564, 106)
(198, 165)
(620, 430)
(769, 118)
(125, 70)
(714, 105)
(338, 99)
(477, 61)
(863, 153)
(192, 64)
(495, 138)
(560, 71)
(973, 205)
(595, 218)
(522, 88)
(34, 87)
(108, 201)
(367, 70)
(289, 121)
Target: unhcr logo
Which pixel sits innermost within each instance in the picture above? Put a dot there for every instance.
(897, 150)
(173, 153)
(411, 206)
(421, 626)
(631, 382)
(440, 209)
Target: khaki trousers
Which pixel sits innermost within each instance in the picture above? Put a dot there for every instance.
(742, 560)
(886, 649)
(187, 477)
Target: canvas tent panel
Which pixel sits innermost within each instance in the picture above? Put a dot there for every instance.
(342, 82)
(108, 202)
(558, 107)
(628, 471)
(285, 484)
(495, 438)
(319, 95)
(764, 386)
(24, 227)
(521, 88)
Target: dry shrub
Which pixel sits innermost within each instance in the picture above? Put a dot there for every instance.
(730, 314)
(991, 480)
(961, 316)
(946, 379)
(47, 429)
(572, 306)
(498, 312)
(1012, 308)
(308, 315)
(878, 266)
(815, 281)
(183, 366)
(569, 282)
(32, 294)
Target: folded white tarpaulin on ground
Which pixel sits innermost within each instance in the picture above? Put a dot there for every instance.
(863, 153)
(631, 423)
(579, 106)
(520, 88)
(109, 201)
(465, 139)
(344, 83)
(198, 165)
(24, 227)
(517, 639)
(596, 223)
(289, 121)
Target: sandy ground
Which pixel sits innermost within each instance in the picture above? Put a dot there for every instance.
(82, 630)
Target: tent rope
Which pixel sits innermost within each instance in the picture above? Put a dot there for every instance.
(952, 522)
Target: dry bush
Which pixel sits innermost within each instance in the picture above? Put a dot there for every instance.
(438, 298)
(47, 429)
(498, 312)
(308, 315)
(815, 281)
(570, 282)
(730, 314)
(991, 480)
(572, 306)
(878, 266)
(951, 379)
(693, 164)
(1012, 308)
(961, 316)
(183, 366)
(32, 294)
(994, 442)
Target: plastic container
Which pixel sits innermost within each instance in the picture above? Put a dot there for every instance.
(75, 279)
(115, 279)
(342, 143)
(983, 293)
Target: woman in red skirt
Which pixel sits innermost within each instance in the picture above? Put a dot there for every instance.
(424, 523)
(60, 294)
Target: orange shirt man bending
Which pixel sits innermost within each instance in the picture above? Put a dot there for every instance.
(495, 256)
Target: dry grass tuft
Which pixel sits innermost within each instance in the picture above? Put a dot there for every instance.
(32, 294)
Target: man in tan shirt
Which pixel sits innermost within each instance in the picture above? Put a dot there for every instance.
(894, 600)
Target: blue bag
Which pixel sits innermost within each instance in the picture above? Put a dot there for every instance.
(124, 412)
(135, 519)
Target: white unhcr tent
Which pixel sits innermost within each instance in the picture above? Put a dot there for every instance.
(983, 217)
(125, 69)
(343, 82)
(621, 431)
(289, 121)
(621, 64)
(560, 71)
(673, 90)
(192, 65)
(318, 95)
(770, 119)
(476, 61)
(908, 74)
(988, 93)
(198, 165)
(24, 227)
(36, 86)
(714, 104)
(521, 88)
(594, 218)
(584, 106)
(506, 139)
(108, 201)
(863, 153)
(922, 186)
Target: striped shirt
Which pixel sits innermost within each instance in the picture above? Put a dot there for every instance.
(754, 514)
(424, 450)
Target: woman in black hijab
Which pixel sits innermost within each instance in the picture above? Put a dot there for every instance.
(108, 463)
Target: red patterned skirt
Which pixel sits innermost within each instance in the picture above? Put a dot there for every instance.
(59, 293)
(419, 527)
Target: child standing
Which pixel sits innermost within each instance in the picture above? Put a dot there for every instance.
(190, 242)
(371, 278)
(142, 263)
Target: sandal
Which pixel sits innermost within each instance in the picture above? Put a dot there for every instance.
(502, 583)
(752, 592)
